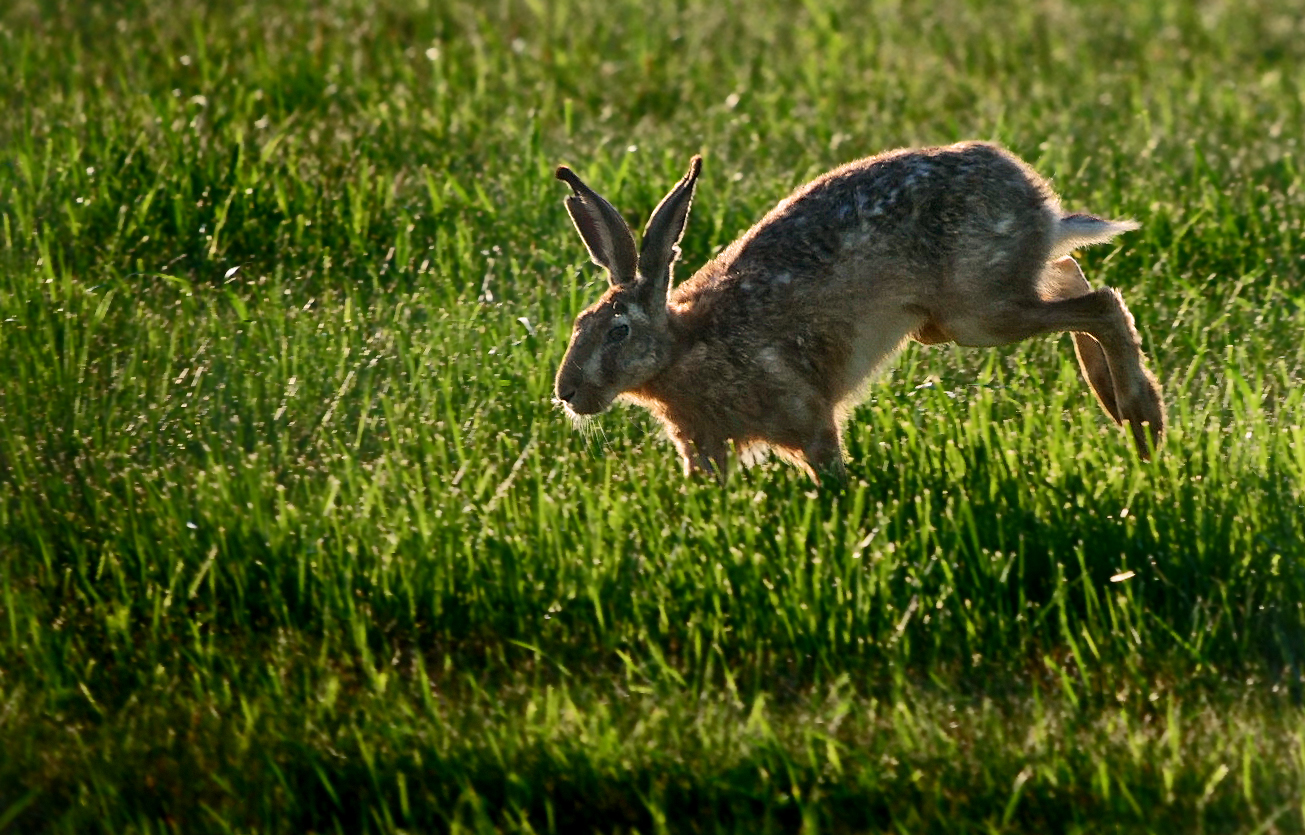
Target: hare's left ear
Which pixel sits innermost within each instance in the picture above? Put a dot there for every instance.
(601, 227)
(661, 238)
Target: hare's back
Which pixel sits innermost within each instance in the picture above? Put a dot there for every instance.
(915, 208)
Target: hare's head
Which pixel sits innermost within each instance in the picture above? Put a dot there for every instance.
(622, 341)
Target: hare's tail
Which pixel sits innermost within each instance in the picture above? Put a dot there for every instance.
(1074, 231)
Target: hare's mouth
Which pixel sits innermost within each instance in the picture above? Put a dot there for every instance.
(586, 410)
(580, 409)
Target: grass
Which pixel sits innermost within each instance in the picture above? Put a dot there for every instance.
(291, 538)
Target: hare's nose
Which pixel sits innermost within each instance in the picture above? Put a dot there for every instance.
(566, 396)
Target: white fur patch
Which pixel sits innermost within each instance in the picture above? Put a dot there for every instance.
(855, 238)
(874, 343)
(768, 358)
(593, 368)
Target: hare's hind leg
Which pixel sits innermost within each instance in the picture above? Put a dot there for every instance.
(1103, 315)
(1064, 279)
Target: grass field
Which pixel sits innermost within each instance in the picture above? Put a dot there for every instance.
(292, 538)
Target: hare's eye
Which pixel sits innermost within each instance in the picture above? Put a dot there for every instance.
(617, 334)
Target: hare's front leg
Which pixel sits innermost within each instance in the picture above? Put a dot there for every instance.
(711, 457)
(823, 454)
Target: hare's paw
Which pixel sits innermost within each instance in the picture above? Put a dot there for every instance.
(1143, 410)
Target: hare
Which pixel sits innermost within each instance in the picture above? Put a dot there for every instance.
(771, 342)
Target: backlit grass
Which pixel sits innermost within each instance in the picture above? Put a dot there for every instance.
(292, 539)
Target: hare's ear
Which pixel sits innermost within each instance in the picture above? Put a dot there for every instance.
(604, 231)
(661, 239)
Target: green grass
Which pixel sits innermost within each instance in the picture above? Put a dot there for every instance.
(292, 539)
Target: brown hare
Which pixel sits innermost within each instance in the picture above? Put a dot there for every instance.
(770, 343)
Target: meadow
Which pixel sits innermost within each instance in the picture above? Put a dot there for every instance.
(292, 538)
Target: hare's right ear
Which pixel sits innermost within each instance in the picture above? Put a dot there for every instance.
(661, 238)
(601, 227)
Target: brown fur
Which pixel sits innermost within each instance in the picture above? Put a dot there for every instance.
(770, 344)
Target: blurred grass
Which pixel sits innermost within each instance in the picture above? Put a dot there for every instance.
(292, 540)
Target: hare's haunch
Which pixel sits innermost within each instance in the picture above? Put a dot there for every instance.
(770, 343)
